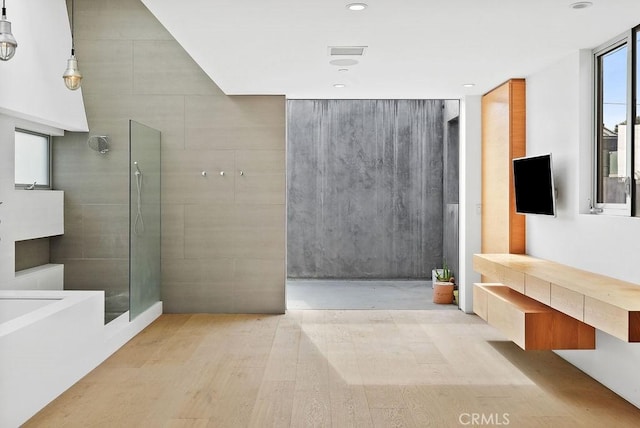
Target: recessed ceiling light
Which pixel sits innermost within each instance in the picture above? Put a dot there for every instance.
(343, 69)
(357, 6)
(344, 62)
(339, 85)
(581, 5)
(468, 85)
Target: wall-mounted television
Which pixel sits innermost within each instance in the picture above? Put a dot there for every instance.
(533, 182)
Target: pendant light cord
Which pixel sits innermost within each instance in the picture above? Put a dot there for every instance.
(73, 50)
(4, 9)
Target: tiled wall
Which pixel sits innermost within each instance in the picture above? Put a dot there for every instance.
(223, 246)
(32, 253)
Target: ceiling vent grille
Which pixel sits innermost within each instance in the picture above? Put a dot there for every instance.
(346, 50)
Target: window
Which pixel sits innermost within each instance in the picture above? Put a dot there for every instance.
(32, 160)
(616, 143)
(636, 135)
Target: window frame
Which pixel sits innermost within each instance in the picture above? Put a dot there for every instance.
(48, 186)
(624, 39)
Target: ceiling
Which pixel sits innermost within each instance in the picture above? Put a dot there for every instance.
(415, 48)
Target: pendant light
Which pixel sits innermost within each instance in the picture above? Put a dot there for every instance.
(8, 43)
(72, 76)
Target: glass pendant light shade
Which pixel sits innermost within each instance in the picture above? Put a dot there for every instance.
(72, 76)
(8, 43)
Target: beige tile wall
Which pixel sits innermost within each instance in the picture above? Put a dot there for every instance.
(32, 253)
(223, 246)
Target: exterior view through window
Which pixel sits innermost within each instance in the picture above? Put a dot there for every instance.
(32, 160)
(617, 154)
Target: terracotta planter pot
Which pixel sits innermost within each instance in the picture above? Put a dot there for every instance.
(443, 292)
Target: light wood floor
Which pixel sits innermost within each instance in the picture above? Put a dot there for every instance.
(333, 369)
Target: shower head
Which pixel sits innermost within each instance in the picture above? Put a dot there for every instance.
(99, 143)
(138, 172)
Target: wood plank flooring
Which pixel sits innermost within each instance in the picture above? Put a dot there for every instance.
(333, 369)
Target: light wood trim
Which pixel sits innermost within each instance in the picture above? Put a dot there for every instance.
(567, 329)
(503, 138)
(512, 320)
(608, 304)
(537, 289)
(529, 323)
(495, 178)
(480, 297)
(492, 272)
(567, 301)
(607, 317)
(614, 291)
(513, 279)
(634, 326)
(517, 131)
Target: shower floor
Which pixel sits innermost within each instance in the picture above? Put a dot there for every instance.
(116, 303)
(361, 294)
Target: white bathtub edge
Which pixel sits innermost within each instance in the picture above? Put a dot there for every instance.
(43, 364)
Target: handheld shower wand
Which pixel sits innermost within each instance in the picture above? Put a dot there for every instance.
(138, 224)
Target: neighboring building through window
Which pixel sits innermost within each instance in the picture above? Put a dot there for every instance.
(636, 135)
(32, 160)
(616, 107)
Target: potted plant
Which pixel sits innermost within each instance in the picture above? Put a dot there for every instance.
(444, 285)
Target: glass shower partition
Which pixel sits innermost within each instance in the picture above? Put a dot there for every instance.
(144, 236)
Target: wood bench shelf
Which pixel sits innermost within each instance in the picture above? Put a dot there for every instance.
(605, 303)
(529, 323)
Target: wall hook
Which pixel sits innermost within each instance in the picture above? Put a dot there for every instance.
(222, 173)
(241, 172)
(204, 173)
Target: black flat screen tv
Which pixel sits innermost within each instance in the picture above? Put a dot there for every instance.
(533, 182)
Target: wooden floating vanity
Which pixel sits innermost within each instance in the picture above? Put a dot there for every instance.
(525, 293)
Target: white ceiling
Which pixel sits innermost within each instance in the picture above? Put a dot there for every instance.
(415, 48)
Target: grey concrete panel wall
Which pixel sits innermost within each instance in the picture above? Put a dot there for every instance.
(451, 177)
(450, 245)
(223, 237)
(364, 188)
(451, 154)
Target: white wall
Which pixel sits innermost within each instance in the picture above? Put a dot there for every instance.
(7, 246)
(558, 121)
(24, 214)
(31, 82)
(44, 277)
(33, 97)
(470, 192)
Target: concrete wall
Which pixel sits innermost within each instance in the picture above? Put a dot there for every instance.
(559, 121)
(450, 185)
(223, 243)
(364, 188)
